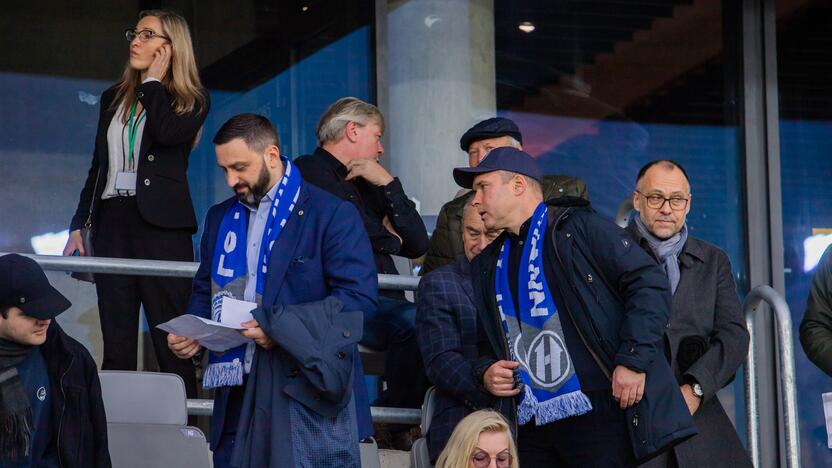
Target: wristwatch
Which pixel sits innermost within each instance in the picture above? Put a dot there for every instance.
(697, 390)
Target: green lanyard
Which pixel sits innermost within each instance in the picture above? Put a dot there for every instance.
(132, 130)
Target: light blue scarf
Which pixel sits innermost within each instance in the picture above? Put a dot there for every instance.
(229, 270)
(552, 390)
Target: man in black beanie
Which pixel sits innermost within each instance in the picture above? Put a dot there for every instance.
(51, 412)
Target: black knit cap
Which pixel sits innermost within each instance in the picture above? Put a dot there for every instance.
(490, 128)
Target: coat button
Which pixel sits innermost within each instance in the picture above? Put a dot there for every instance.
(139, 94)
(568, 235)
(150, 157)
(632, 350)
(346, 333)
(300, 213)
(560, 190)
(340, 355)
(147, 182)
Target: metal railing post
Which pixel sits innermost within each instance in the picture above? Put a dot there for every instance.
(788, 393)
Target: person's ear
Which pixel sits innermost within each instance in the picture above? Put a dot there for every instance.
(272, 156)
(519, 184)
(635, 201)
(351, 131)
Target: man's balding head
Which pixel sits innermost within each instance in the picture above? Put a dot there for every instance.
(662, 197)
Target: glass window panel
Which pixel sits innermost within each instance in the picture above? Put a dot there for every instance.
(804, 61)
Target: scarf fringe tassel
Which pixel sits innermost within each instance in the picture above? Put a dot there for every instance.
(557, 408)
(223, 374)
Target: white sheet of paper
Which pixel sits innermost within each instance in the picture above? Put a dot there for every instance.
(126, 181)
(234, 312)
(827, 412)
(214, 336)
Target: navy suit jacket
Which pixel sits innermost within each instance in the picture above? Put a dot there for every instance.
(322, 251)
(446, 330)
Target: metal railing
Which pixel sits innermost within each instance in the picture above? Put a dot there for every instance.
(756, 297)
(202, 407)
(783, 326)
(121, 266)
(197, 407)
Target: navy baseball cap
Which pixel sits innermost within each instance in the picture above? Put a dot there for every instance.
(24, 285)
(500, 159)
(490, 128)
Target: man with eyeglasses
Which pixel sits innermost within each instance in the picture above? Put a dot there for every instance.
(706, 339)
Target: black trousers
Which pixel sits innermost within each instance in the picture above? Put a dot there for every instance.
(121, 232)
(392, 328)
(598, 439)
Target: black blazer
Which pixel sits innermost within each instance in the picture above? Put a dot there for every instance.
(162, 192)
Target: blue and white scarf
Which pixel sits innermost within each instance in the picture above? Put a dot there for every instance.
(229, 270)
(552, 390)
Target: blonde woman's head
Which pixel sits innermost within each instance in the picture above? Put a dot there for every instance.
(482, 439)
(154, 30)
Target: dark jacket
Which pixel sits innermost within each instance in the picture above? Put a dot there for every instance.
(446, 240)
(619, 301)
(706, 305)
(305, 389)
(816, 326)
(162, 193)
(374, 203)
(446, 330)
(79, 425)
(321, 252)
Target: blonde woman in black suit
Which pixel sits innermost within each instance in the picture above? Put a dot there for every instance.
(136, 194)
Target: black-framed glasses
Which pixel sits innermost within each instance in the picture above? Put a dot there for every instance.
(657, 201)
(144, 35)
(481, 459)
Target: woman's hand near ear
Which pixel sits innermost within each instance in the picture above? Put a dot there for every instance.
(161, 62)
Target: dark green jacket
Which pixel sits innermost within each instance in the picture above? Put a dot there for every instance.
(816, 327)
(446, 241)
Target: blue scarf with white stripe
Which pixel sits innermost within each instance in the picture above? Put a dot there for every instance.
(229, 270)
(552, 390)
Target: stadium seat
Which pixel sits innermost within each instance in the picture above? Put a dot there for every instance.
(419, 454)
(146, 421)
(144, 397)
(139, 445)
(369, 454)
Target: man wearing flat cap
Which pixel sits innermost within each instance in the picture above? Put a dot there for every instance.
(570, 317)
(445, 243)
(51, 412)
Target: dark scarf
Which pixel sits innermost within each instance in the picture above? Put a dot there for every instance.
(15, 411)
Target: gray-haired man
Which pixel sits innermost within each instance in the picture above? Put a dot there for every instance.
(346, 164)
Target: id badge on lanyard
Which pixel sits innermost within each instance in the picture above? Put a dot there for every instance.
(126, 181)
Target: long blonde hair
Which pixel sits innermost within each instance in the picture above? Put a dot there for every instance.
(457, 452)
(182, 79)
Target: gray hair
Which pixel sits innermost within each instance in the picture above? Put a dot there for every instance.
(343, 111)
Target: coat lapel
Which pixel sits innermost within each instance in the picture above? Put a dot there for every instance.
(284, 248)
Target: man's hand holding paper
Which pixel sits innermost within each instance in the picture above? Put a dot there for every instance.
(188, 332)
